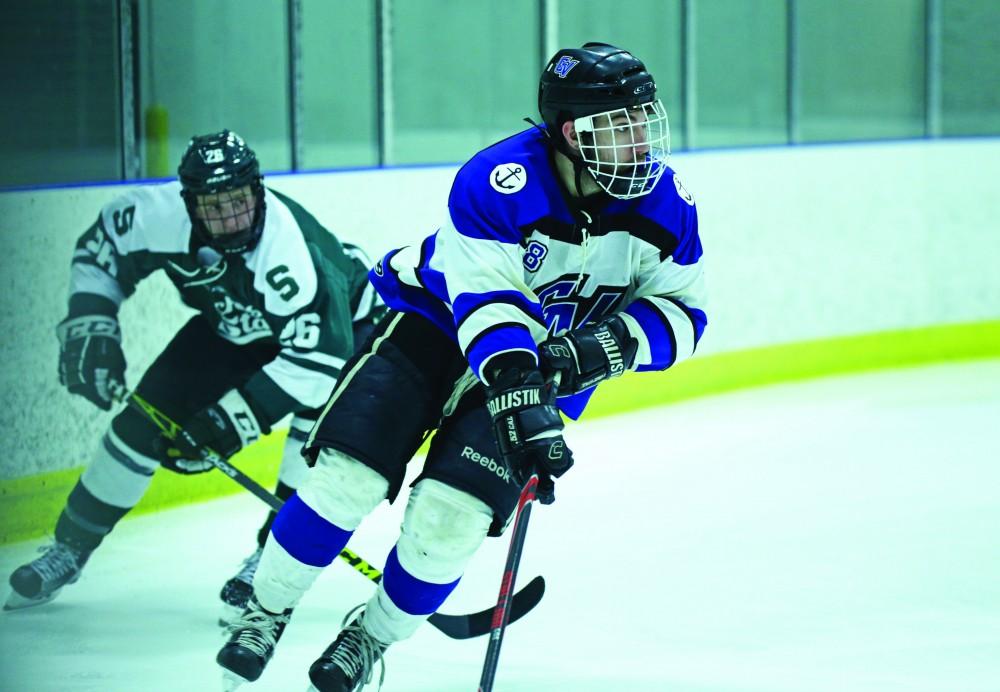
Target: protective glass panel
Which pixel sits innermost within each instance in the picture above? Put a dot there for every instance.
(649, 29)
(60, 121)
(464, 74)
(970, 67)
(339, 85)
(740, 65)
(861, 67)
(206, 66)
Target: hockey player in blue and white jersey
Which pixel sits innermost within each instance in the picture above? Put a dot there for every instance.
(568, 248)
(279, 304)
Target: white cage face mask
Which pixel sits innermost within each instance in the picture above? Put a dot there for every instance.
(227, 213)
(626, 150)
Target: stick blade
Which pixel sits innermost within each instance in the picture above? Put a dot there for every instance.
(478, 624)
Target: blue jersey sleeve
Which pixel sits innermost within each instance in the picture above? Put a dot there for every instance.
(667, 312)
(480, 252)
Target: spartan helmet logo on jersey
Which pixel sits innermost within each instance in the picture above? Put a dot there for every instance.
(223, 191)
(620, 125)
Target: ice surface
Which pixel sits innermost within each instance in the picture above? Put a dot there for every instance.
(835, 535)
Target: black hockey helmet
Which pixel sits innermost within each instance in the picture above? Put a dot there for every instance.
(592, 86)
(218, 163)
(595, 78)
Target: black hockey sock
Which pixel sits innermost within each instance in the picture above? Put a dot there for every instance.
(283, 492)
(85, 520)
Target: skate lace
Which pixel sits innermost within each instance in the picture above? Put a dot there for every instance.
(59, 559)
(249, 567)
(358, 652)
(257, 630)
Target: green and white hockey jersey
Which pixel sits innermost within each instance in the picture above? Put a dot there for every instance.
(299, 288)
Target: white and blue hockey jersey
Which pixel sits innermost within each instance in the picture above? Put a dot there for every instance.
(514, 263)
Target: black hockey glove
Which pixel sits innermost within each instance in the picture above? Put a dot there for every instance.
(91, 362)
(528, 429)
(589, 354)
(225, 428)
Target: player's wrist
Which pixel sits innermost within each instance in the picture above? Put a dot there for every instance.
(225, 427)
(81, 304)
(590, 354)
(244, 416)
(625, 343)
(508, 362)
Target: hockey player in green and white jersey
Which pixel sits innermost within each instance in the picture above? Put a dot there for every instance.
(280, 305)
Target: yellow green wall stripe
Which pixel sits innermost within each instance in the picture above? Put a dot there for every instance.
(29, 506)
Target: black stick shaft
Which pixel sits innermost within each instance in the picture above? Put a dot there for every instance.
(243, 479)
(501, 613)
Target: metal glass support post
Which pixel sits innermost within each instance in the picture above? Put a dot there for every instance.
(383, 65)
(294, 13)
(792, 77)
(932, 69)
(127, 92)
(689, 88)
(548, 25)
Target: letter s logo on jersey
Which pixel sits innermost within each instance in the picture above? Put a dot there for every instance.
(508, 178)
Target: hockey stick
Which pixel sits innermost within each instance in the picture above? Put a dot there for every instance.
(503, 611)
(454, 626)
(170, 430)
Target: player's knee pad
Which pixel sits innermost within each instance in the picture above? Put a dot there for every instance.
(442, 529)
(341, 489)
(119, 474)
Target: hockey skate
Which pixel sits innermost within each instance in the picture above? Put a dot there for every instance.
(252, 638)
(237, 591)
(42, 579)
(348, 663)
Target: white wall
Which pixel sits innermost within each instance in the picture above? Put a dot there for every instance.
(800, 243)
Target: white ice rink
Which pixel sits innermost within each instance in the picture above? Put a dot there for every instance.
(835, 535)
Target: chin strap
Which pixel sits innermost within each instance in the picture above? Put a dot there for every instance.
(578, 168)
(535, 125)
(563, 148)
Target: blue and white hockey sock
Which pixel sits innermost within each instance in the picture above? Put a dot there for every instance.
(314, 526)
(402, 602)
(442, 529)
(301, 544)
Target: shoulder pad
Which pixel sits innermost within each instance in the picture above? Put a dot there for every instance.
(500, 189)
(682, 192)
(148, 217)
